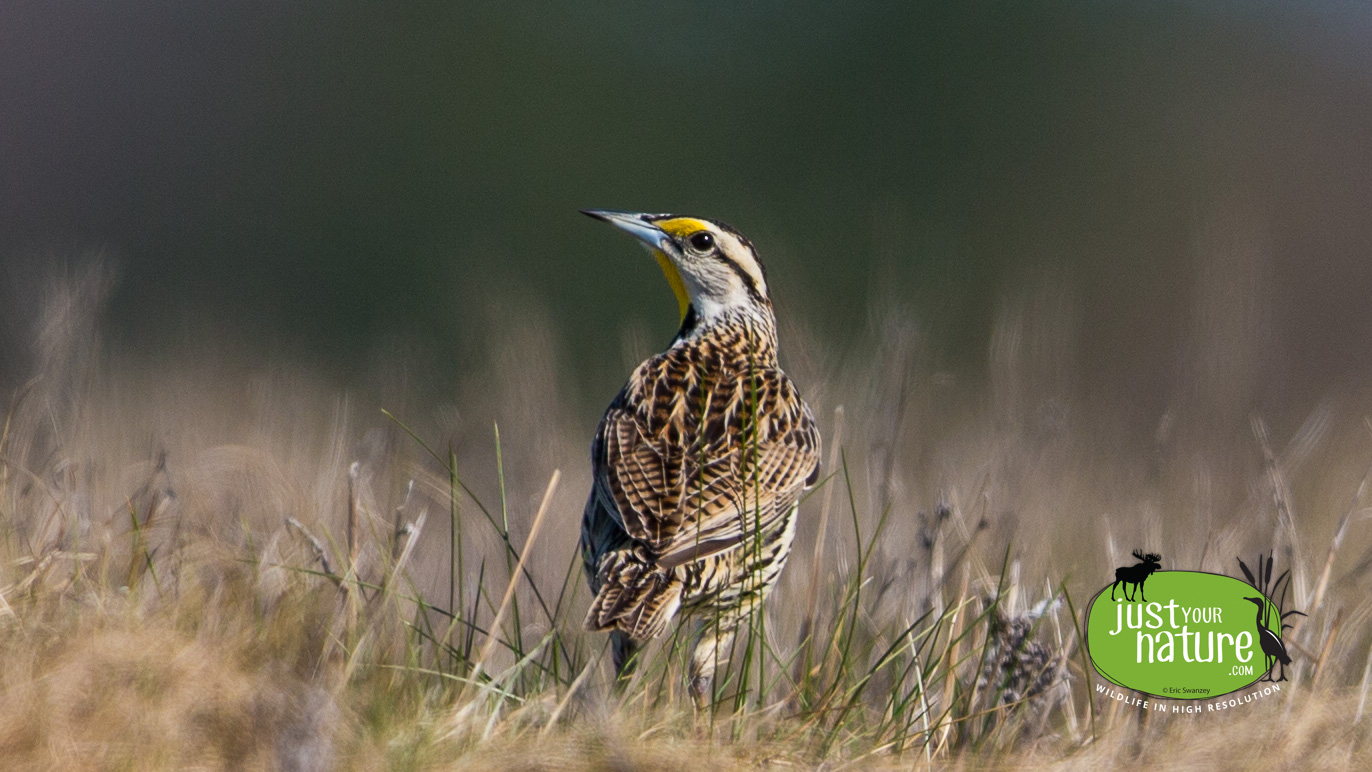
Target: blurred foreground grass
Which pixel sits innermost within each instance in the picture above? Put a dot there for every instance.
(253, 572)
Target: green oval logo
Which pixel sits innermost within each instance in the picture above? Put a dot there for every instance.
(1196, 635)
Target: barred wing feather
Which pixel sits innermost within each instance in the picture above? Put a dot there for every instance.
(688, 500)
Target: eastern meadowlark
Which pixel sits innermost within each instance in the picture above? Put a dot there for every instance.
(700, 460)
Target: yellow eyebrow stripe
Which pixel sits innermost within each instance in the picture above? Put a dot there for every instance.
(678, 227)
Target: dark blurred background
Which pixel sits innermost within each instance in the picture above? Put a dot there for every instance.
(315, 179)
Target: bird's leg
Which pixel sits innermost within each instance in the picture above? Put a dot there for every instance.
(715, 638)
(625, 652)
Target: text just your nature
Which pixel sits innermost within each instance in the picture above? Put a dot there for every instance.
(1162, 646)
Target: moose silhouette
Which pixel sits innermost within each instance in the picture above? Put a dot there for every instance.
(1136, 574)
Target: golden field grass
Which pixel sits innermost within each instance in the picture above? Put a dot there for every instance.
(212, 565)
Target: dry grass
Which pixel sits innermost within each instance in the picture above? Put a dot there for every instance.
(248, 570)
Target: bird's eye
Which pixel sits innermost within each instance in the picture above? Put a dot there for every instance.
(701, 241)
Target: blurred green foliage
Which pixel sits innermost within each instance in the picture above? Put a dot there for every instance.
(328, 174)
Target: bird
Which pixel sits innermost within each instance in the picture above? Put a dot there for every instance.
(1272, 647)
(700, 461)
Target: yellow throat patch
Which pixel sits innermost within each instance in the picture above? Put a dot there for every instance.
(678, 228)
(678, 286)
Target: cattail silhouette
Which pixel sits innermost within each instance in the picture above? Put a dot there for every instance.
(1273, 649)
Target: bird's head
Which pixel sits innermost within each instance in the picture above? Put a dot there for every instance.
(710, 266)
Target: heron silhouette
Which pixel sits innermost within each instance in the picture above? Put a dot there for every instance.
(1272, 647)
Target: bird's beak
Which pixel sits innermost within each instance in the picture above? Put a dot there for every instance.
(635, 224)
(657, 241)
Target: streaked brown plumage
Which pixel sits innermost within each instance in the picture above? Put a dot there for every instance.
(700, 460)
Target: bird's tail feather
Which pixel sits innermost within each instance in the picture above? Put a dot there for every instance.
(634, 597)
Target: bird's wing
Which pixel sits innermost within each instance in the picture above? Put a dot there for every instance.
(695, 489)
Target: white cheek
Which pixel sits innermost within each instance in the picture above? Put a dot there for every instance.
(708, 308)
(716, 300)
